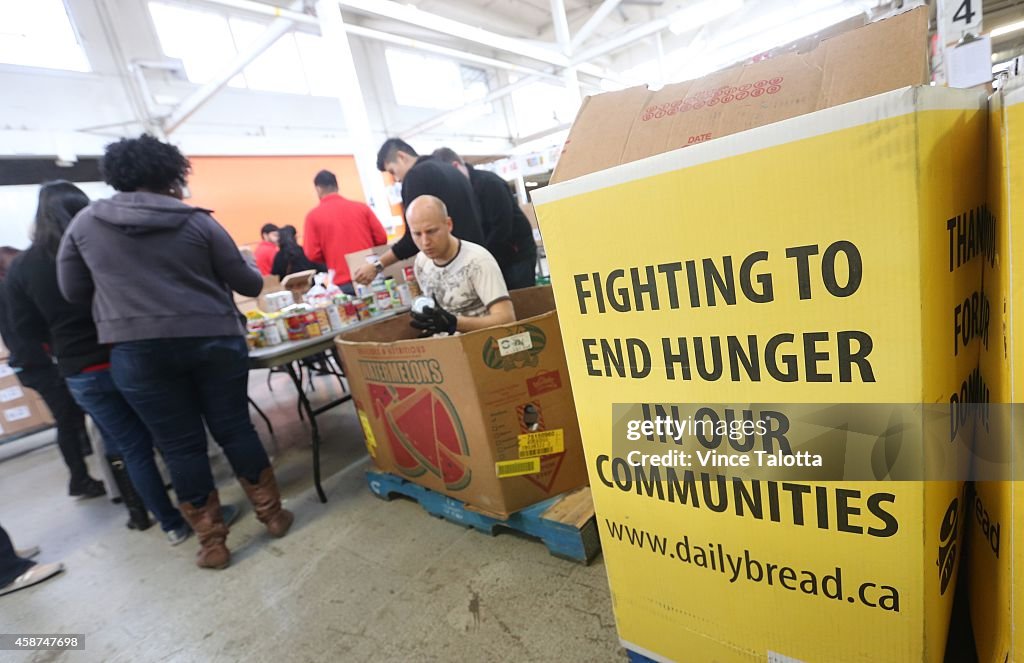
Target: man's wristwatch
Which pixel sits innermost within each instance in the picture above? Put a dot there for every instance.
(377, 264)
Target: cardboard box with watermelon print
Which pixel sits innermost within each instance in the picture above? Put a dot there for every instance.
(486, 417)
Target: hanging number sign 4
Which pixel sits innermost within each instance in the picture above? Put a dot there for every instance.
(958, 18)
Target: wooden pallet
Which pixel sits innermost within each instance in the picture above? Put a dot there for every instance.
(565, 523)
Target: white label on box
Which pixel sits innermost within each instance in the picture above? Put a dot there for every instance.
(970, 64)
(776, 657)
(515, 343)
(17, 413)
(10, 393)
(6, 370)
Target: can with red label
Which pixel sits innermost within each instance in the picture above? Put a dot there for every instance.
(362, 308)
(296, 326)
(351, 315)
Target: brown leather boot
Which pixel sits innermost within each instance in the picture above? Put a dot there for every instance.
(266, 500)
(208, 524)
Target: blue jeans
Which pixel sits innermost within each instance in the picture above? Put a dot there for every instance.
(174, 384)
(125, 435)
(522, 273)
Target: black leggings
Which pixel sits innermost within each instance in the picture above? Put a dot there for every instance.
(69, 417)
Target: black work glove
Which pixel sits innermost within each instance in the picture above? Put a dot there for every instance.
(434, 320)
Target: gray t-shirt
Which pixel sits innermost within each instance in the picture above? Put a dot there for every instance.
(466, 285)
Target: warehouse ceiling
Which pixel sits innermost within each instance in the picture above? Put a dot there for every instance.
(620, 35)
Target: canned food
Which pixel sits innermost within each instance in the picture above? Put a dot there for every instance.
(404, 295)
(271, 334)
(351, 315)
(334, 315)
(362, 309)
(296, 326)
(422, 303)
(323, 321)
(312, 326)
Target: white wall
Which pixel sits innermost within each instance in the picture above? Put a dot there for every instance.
(18, 210)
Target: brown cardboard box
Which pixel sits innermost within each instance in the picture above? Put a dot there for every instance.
(21, 409)
(357, 259)
(271, 284)
(486, 417)
(619, 127)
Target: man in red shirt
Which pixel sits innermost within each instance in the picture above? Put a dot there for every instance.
(266, 249)
(337, 227)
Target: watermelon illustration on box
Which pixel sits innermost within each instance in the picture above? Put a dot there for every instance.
(486, 417)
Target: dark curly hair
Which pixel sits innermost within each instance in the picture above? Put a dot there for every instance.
(131, 164)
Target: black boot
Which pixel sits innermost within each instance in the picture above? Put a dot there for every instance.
(139, 516)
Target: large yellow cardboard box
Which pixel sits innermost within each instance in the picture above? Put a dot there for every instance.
(826, 258)
(995, 545)
(486, 417)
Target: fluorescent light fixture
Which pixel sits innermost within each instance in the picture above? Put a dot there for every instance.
(1007, 29)
(700, 13)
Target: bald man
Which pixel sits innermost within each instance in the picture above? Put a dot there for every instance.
(462, 277)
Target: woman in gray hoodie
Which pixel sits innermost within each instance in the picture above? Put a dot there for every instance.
(159, 274)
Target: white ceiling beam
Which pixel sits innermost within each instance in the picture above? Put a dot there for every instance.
(561, 24)
(636, 34)
(455, 54)
(277, 29)
(398, 40)
(587, 29)
(353, 105)
(441, 118)
(544, 133)
(359, 31)
(558, 17)
(417, 17)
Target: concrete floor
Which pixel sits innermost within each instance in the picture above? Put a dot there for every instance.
(356, 579)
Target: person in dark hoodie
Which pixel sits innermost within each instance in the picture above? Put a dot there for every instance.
(291, 258)
(423, 176)
(35, 370)
(508, 234)
(40, 313)
(159, 274)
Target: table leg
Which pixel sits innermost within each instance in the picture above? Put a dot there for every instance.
(262, 415)
(340, 374)
(304, 404)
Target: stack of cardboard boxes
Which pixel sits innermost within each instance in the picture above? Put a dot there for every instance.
(22, 410)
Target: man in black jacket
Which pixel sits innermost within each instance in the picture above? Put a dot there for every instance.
(423, 176)
(507, 232)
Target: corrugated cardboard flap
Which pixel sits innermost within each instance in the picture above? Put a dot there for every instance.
(619, 127)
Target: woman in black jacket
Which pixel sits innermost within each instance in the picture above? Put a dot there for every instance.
(291, 258)
(34, 367)
(38, 312)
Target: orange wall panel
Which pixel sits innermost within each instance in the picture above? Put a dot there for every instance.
(246, 192)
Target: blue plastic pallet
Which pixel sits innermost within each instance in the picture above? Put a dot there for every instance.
(565, 523)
